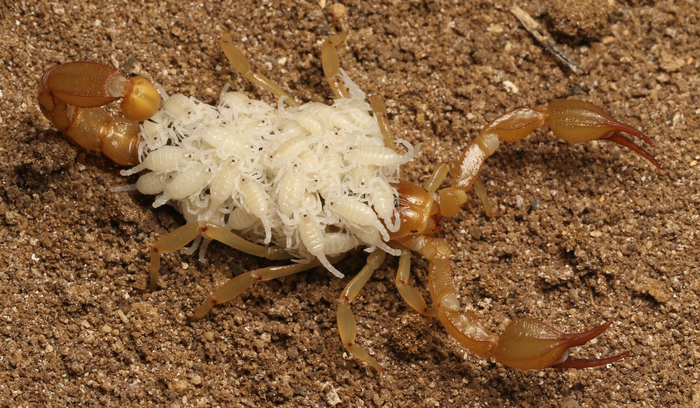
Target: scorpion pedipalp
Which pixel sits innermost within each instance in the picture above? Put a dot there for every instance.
(570, 120)
(580, 121)
(531, 344)
(526, 343)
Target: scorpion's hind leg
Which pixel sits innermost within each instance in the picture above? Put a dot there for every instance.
(241, 63)
(525, 343)
(187, 233)
(234, 287)
(346, 319)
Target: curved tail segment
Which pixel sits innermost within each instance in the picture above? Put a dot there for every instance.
(70, 96)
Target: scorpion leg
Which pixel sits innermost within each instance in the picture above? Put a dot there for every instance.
(70, 94)
(480, 191)
(346, 319)
(383, 120)
(234, 287)
(379, 110)
(187, 233)
(331, 64)
(411, 295)
(435, 180)
(450, 200)
(241, 63)
(525, 343)
(329, 58)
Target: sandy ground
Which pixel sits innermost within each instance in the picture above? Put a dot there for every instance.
(589, 233)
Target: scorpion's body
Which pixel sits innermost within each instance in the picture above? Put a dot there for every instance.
(312, 182)
(300, 178)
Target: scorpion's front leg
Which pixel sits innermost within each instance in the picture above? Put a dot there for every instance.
(70, 94)
(525, 344)
(410, 294)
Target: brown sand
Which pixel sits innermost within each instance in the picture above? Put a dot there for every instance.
(589, 233)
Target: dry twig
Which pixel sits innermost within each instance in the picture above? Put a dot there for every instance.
(544, 38)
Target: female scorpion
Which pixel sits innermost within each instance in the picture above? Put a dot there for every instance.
(321, 221)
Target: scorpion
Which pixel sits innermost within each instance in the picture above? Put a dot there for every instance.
(313, 182)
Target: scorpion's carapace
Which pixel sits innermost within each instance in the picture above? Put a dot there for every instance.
(70, 96)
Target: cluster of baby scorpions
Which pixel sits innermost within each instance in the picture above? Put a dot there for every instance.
(321, 212)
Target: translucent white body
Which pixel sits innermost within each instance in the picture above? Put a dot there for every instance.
(270, 174)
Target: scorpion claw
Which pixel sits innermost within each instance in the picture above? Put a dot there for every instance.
(620, 139)
(572, 362)
(579, 121)
(531, 344)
